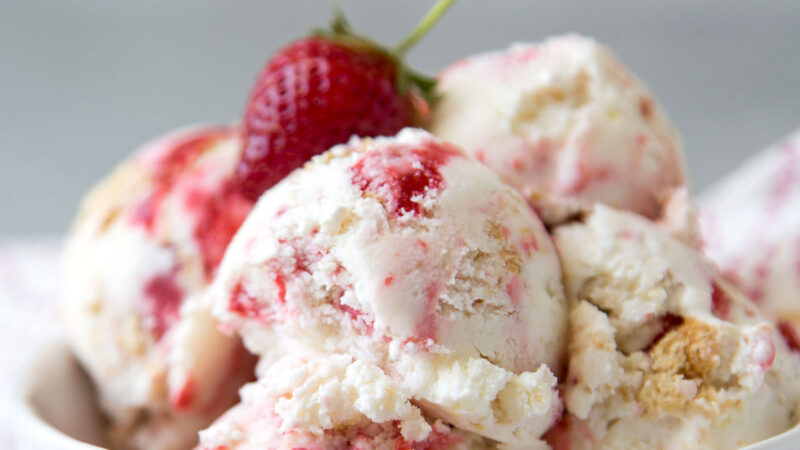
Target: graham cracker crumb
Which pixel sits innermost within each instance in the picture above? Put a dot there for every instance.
(690, 350)
(687, 354)
(511, 258)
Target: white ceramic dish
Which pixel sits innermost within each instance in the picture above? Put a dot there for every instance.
(56, 409)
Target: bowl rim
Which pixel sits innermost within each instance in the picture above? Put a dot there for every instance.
(777, 442)
(26, 418)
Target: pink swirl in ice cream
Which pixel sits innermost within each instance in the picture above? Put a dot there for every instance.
(145, 244)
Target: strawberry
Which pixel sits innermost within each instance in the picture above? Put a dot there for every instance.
(319, 91)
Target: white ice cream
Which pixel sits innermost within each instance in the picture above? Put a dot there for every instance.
(406, 255)
(664, 353)
(750, 222)
(566, 124)
(330, 401)
(143, 248)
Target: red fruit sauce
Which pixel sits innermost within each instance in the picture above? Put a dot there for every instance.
(163, 298)
(244, 304)
(720, 302)
(397, 174)
(218, 216)
(668, 323)
(218, 213)
(169, 166)
(183, 397)
(790, 334)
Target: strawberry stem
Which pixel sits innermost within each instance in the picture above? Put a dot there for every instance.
(406, 78)
(423, 26)
(339, 24)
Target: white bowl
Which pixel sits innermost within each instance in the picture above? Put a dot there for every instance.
(56, 408)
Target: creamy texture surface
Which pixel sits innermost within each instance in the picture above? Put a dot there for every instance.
(330, 401)
(664, 352)
(145, 244)
(566, 124)
(409, 257)
(750, 223)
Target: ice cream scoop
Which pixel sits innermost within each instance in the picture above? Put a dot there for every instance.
(406, 255)
(566, 124)
(329, 401)
(664, 353)
(750, 223)
(141, 252)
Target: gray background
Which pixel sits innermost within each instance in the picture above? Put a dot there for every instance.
(83, 82)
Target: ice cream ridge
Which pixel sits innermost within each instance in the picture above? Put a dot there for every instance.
(505, 257)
